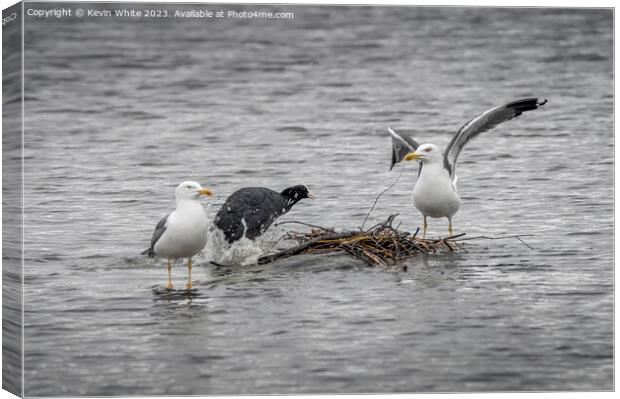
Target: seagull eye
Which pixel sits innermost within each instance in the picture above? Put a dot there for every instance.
(429, 149)
(189, 186)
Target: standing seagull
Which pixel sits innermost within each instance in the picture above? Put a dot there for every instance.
(182, 233)
(435, 193)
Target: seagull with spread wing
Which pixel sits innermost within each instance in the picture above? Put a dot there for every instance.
(435, 194)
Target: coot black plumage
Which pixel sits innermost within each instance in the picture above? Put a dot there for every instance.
(253, 209)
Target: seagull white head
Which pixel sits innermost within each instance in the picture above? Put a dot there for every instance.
(190, 190)
(425, 153)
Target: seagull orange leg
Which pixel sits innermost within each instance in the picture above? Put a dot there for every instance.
(450, 226)
(189, 271)
(169, 285)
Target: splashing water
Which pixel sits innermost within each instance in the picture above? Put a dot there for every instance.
(242, 252)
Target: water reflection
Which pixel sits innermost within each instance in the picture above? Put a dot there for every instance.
(176, 305)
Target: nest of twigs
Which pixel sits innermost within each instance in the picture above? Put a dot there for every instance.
(380, 245)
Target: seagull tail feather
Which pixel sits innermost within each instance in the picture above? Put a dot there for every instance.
(148, 252)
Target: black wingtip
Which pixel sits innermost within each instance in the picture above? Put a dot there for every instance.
(526, 104)
(402, 144)
(394, 162)
(148, 252)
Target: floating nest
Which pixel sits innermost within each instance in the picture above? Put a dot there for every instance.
(380, 245)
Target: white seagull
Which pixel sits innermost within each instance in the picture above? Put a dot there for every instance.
(435, 194)
(182, 233)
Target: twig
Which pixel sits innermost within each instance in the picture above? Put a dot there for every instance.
(524, 243)
(402, 169)
(449, 238)
(278, 240)
(444, 242)
(387, 223)
(356, 254)
(301, 247)
(517, 236)
(303, 223)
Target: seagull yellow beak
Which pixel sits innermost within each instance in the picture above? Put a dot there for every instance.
(411, 156)
(205, 191)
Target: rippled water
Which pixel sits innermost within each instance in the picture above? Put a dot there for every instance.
(118, 112)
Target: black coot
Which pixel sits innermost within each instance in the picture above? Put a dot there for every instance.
(254, 209)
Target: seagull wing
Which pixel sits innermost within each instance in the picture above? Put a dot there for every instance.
(401, 146)
(483, 122)
(159, 231)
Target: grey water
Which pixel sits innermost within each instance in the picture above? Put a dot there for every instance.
(118, 111)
